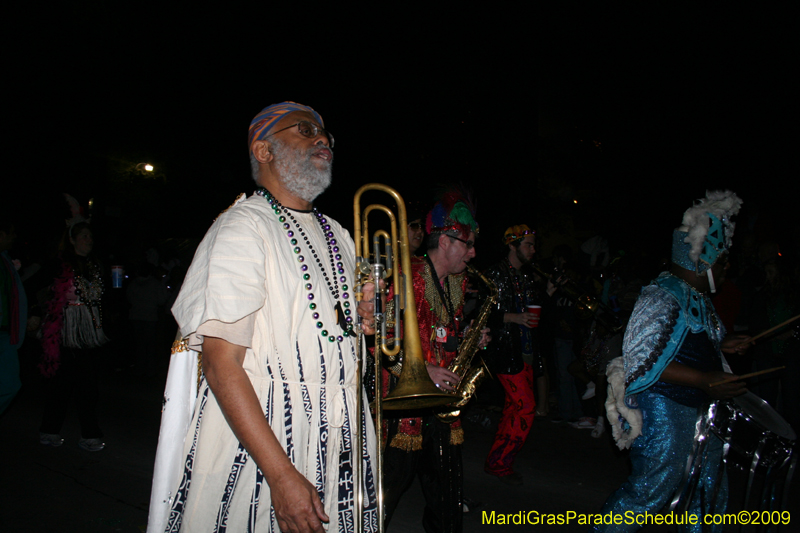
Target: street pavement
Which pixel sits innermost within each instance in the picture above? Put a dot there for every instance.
(67, 489)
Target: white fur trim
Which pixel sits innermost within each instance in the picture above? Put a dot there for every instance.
(617, 411)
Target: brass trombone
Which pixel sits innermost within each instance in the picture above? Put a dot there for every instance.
(414, 389)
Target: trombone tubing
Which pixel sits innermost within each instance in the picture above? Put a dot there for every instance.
(414, 388)
(401, 240)
(361, 240)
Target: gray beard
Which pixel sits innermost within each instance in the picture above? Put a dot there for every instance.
(298, 172)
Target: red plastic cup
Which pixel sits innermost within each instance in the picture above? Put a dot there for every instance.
(536, 310)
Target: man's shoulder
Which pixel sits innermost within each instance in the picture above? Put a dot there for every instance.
(245, 206)
(655, 300)
(419, 272)
(243, 219)
(418, 265)
(653, 290)
(244, 212)
(667, 286)
(497, 269)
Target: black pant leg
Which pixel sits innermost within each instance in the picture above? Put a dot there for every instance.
(87, 392)
(58, 394)
(441, 477)
(399, 471)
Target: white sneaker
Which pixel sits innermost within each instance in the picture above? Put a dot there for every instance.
(50, 439)
(91, 445)
(584, 423)
(599, 428)
(589, 394)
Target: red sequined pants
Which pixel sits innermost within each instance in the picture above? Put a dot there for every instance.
(516, 422)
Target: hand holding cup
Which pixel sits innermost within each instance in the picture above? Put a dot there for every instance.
(534, 312)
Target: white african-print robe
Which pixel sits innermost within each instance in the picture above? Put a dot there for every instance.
(246, 265)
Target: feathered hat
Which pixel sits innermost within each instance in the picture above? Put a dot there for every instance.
(454, 212)
(706, 231)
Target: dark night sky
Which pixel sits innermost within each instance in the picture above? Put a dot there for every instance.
(683, 99)
(680, 100)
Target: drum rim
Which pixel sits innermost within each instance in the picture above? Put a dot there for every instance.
(749, 402)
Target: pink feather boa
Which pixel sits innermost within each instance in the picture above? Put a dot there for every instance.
(51, 329)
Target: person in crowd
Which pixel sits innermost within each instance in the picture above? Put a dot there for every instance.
(416, 231)
(671, 364)
(145, 293)
(515, 358)
(424, 446)
(604, 338)
(72, 337)
(566, 334)
(776, 302)
(13, 315)
(603, 344)
(269, 302)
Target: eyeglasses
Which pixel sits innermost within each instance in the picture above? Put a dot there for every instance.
(470, 244)
(415, 225)
(308, 130)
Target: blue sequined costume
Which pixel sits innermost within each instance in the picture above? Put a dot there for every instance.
(671, 322)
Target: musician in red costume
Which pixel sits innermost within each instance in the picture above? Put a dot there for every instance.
(423, 445)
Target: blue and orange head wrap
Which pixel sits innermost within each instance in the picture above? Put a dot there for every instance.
(517, 233)
(263, 123)
(455, 212)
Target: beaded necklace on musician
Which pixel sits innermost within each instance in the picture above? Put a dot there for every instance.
(444, 304)
(337, 275)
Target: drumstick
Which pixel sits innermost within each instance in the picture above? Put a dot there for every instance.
(750, 375)
(770, 330)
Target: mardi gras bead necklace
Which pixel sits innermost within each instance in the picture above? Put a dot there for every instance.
(295, 232)
(89, 290)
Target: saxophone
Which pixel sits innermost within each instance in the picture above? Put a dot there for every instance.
(472, 375)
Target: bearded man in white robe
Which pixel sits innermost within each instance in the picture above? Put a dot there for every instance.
(269, 302)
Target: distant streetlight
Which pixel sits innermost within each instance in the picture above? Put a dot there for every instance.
(144, 167)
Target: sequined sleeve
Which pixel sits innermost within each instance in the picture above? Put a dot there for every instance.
(650, 343)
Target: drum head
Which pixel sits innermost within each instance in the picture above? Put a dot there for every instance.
(764, 415)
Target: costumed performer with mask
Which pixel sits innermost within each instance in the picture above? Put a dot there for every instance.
(671, 355)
